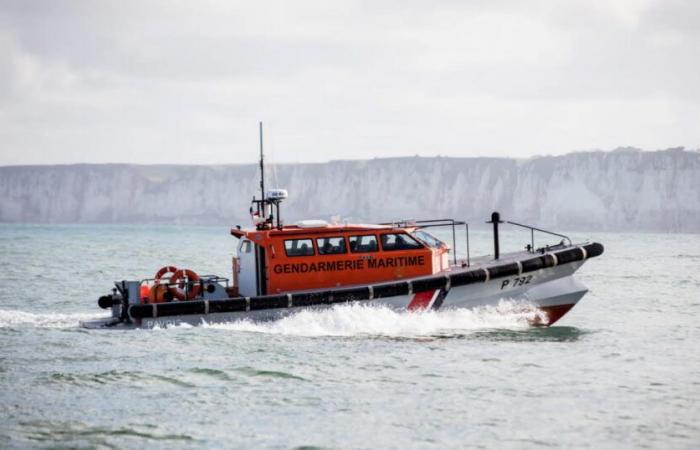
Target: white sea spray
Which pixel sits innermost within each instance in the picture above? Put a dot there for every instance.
(13, 318)
(363, 320)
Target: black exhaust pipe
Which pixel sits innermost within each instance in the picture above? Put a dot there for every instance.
(107, 301)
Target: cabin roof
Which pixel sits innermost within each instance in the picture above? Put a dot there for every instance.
(295, 230)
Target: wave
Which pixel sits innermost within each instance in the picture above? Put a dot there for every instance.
(69, 434)
(10, 318)
(366, 320)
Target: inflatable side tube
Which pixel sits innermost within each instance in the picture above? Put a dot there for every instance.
(469, 277)
(505, 270)
(391, 290)
(533, 264)
(594, 249)
(269, 302)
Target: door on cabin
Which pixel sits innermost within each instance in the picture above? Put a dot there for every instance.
(248, 283)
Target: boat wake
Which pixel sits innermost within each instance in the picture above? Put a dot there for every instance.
(10, 318)
(364, 320)
(339, 320)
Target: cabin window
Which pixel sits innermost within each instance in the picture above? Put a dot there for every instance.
(399, 242)
(246, 246)
(331, 245)
(299, 247)
(360, 244)
(429, 239)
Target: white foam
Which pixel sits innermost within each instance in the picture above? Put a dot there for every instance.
(359, 320)
(158, 327)
(339, 320)
(10, 318)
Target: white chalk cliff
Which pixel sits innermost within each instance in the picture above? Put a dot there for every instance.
(625, 189)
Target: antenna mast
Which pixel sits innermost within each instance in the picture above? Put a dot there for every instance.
(265, 217)
(262, 167)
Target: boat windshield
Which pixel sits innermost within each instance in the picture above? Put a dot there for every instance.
(428, 238)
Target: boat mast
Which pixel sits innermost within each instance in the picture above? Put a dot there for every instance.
(262, 208)
(262, 168)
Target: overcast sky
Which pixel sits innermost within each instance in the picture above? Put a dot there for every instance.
(187, 82)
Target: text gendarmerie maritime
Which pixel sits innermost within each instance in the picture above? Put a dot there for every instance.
(350, 264)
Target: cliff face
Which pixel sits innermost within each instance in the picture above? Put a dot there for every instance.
(619, 190)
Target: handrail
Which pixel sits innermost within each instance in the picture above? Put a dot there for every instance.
(404, 223)
(532, 233)
(466, 225)
(188, 283)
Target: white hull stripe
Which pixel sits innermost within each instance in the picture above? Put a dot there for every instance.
(584, 252)
(554, 258)
(432, 300)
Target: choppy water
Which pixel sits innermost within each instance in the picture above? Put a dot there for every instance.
(621, 370)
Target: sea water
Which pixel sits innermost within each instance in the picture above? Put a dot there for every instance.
(622, 369)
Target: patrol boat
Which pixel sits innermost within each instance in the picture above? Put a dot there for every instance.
(280, 269)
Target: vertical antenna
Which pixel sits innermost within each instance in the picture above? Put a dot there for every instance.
(262, 167)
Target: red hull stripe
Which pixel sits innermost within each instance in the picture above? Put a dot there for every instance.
(423, 300)
(554, 313)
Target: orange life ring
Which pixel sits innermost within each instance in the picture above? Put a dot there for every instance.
(165, 270)
(178, 289)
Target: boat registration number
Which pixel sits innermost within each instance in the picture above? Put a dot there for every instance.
(515, 282)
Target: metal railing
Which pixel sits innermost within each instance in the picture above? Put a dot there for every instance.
(431, 223)
(532, 233)
(454, 223)
(187, 284)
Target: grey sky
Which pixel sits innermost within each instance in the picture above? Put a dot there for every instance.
(186, 82)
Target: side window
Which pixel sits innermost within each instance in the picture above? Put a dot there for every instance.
(429, 239)
(245, 247)
(360, 244)
(299, 247)
(331, 245)
(399, 242)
